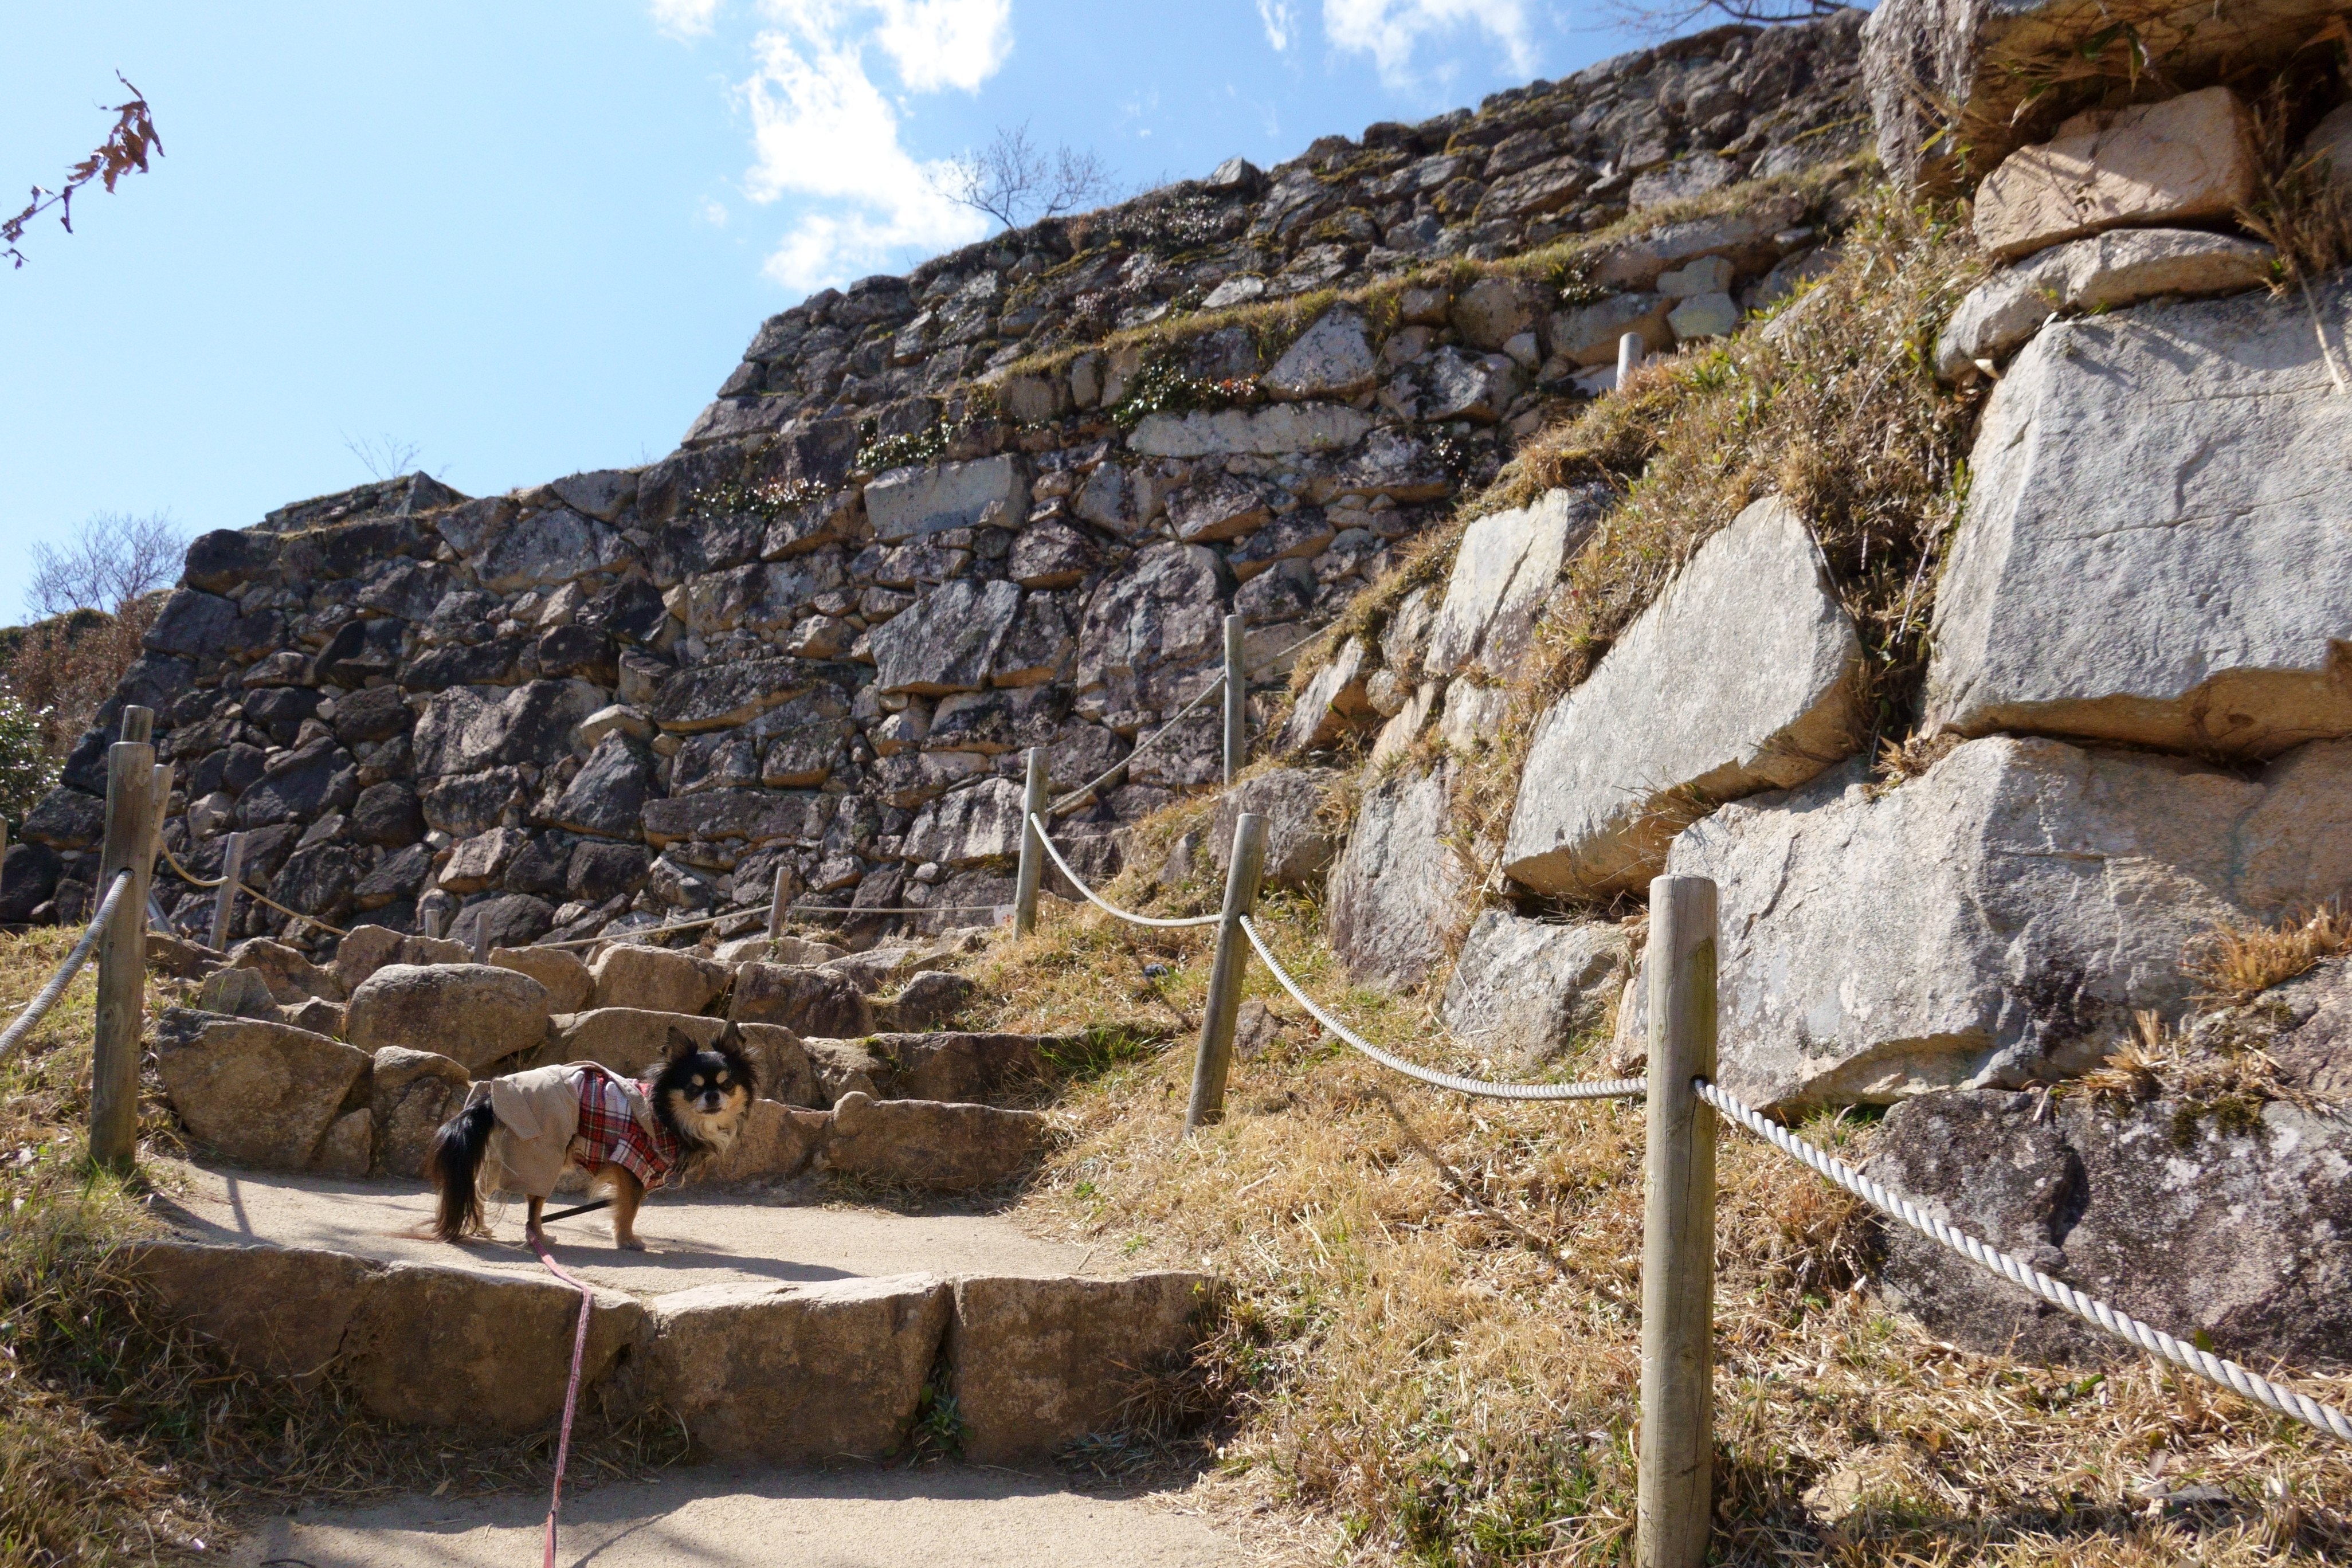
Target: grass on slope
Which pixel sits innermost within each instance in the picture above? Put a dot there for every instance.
(122, 1437)
(1432, 1344)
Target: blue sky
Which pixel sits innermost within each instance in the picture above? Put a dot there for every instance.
(532, 238)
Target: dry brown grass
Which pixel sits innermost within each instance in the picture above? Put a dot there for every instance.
(1430, 1346)
(66, 667)
(2237, 963)
(123, 1437)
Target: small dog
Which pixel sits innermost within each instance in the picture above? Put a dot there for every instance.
(698, 1104)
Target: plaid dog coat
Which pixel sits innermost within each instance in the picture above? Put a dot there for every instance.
(609, 1135)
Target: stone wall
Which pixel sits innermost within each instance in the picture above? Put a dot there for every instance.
(1004, 501)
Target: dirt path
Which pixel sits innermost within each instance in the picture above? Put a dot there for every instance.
(776, 1518)
(694, 1237)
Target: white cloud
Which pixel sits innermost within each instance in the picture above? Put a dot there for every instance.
(824, 131)
(1392, 31)
(683, 18)
(1281, 19)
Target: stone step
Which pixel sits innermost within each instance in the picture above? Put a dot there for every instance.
(778, 1333)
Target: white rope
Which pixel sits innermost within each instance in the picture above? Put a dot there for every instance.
(2204, 1363)
(1038, 827)
(1604, 1089)
(47, 998)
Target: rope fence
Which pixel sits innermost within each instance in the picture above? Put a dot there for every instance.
(1038, 827)
(47, 997)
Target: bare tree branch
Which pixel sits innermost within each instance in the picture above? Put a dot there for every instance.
(1663, 18)
(124, 149)
(383, 457)
(1015, 182)
(115, 559)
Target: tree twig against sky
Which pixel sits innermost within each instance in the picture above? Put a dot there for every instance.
(1015, 182)
(125, 149)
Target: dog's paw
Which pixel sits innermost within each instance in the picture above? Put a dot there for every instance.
(628, 1244)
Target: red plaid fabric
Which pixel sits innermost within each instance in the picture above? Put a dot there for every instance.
(608, 1135)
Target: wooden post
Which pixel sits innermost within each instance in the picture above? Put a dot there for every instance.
(139, 725)
(1630, 349)
(1032, 852)
(780, 897)
(225, 902)
(481, 939)
(123, 946)
(1236, 701)
(1674, 1501)
(1215, 1058)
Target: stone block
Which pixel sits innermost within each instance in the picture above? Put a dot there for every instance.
(949, 641)
(2186, 160)
(907, 503)
(1997, 922)
(722, 696)
(2149, 555)
(1396, 886)
(777, 1143)
(1703, 316)
(1299, 850)
(1267, 432)
(1588, 334)
(1040, 1363)
(781, 1063)
(794, 1373)
(2105, 272)
(968, 826)
(655, 979)
(434, 1346)
(349, 1146)
(1332, 358)
(1148, 629)
(631, 1040)
(262, 1093)
(959, 1069)
(1503, 570)
(278, 1311)
(1527, 991)
(1740, 677)
(807, 1001)
(924, 1144)
(411, 1093)
(473, 1012)
(1334, 703)
(569, 981)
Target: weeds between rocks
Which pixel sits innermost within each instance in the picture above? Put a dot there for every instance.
(1431, 1344)
(123, 1438)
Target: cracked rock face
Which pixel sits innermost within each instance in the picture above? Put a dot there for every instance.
(2154, 550)
(1996, 921)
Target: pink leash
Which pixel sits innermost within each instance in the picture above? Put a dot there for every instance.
(570, 1393)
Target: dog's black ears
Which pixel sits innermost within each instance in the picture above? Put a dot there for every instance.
(681, 1044)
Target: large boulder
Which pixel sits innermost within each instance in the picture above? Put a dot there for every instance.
(2228, 1221)
(959, 1069)
(468, 730)
(2186, 160)
(627, 974)
(473, 1012)
(1267, 432)
(1395, 888)
(793, 1373)
(1740, 677)
(924, 1143)
(1299, 850)
(1502, 572)
(279, 1311)
(2148, 554)
(1039, 1364)
(411, 1094)
(262, 1093)
(806, 1000)
(1997, 922)
(570, 983)
(1529, 991)
(1965, 81)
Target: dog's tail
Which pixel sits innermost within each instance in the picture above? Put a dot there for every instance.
(454, 1165)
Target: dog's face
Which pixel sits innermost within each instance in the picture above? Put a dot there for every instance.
(706, 1095)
